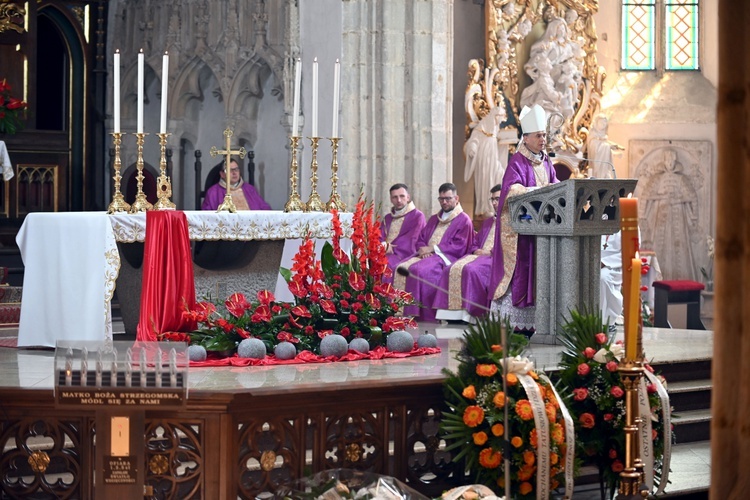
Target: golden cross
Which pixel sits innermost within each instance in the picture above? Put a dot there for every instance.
(228, 205)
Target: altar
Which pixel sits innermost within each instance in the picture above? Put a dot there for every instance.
(75, 261)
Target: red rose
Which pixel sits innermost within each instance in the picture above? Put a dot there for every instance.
(587, 420)
(357, 306)
(580, 394)
(344, 304)
(617, 391)
(617, 466)
(345, 331)
(589, 352)
(353, 318)
(600, 338)
(651, 388)
(612, 453)
(607, 418)
(346, 295)
(612, 366)
(309, 330)
(583, 369)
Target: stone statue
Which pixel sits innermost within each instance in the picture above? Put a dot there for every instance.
(555, 65)
(483, 158)
(599, 149)
(671, 209)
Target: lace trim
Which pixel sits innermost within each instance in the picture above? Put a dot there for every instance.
(522, 318)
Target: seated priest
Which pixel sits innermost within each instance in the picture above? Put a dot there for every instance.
(513, 279)
(447, 237)
(467, 280)
(244, 195)
(401, 227)
(610, 282)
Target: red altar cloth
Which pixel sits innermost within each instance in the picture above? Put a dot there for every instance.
(309, 357)
(168, 281)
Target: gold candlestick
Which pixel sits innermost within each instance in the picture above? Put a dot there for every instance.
(228, 205)
(295, 203)
(163, 183)
(314, 204)
(631, 478)
(141, 204)
(335, 203)
(118, 203)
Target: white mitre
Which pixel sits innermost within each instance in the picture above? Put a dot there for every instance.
(533, 119)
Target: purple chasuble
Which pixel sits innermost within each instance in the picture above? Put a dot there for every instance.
(475, 277)
(405, 244)
(520, 171)
(454, 244)
(215, 195)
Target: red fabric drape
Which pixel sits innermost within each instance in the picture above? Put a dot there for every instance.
(168, 282)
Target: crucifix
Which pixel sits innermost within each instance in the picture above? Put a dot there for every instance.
(228, 205)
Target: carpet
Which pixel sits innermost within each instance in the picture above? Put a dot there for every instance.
(9, 342)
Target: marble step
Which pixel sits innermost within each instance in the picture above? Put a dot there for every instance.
(692, 425)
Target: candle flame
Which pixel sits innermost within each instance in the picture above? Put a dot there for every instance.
(117, 51)
(630, 195)
(141, 51)
(637, 255)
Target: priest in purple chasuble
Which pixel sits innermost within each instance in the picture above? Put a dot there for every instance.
(469, 277)
(401, 227)
(244, 196)
(447, 236)
(513, 273)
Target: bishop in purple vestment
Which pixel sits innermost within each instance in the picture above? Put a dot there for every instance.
(514, 255)
(401, 227)
(468, 279)
(447, 237)
(216, 193)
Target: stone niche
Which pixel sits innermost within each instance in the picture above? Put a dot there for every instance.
(675, 203)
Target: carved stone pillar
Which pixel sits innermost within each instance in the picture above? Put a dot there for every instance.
(397, 98)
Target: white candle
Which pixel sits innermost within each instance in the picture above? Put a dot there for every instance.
(297, 83)
(315, 98)
(139, 127)
(336, 78)
(164, 85)
(116, 92)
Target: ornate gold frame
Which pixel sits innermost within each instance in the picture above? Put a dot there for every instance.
(8, 12)
(519, 19)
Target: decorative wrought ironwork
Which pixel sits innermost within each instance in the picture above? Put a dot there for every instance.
(39, 461)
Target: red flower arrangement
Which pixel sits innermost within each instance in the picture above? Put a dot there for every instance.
(340, 293)
(10, 107)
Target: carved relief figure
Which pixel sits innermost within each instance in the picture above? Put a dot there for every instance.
(671, 212)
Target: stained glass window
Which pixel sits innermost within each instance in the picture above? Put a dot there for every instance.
(681, 34)
(638, 41)
(660, 33)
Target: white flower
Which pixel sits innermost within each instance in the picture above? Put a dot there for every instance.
(602, 357)
(517, 365)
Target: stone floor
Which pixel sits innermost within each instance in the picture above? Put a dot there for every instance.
(32, 368)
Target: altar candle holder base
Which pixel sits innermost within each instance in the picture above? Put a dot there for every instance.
(335, 203)
(141, 204)
(295, 203)
(631, 478)
(314, 204)
(118, 203)
(163, 183)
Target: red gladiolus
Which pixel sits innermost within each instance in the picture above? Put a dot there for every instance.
(341, 256)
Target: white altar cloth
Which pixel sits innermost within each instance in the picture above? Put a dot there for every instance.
(71, 264)
(241, 226)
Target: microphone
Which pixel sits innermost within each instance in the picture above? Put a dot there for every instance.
(406, 273)
(571, 157)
